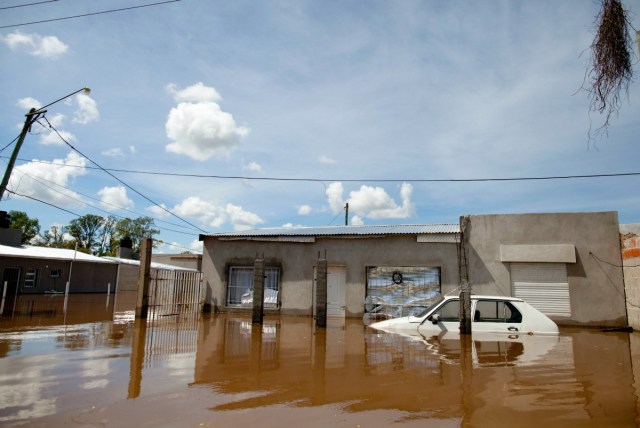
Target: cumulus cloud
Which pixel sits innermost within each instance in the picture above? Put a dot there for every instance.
(34, 44)
(371, 202)
(326, 159)
(87, 110)
(304, 210)
(113, 198)
(46, 181)
(28, 103)
(49, 137)
(214, 215)
(357, 221)
(198, 127)
(159, 211)
(252, 166)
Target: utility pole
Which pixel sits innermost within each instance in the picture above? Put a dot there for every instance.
(346, 214)
(33, 115)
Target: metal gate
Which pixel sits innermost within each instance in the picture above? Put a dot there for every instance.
(175, 292)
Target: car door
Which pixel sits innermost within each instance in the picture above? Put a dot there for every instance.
(449, 318)
(496, 316)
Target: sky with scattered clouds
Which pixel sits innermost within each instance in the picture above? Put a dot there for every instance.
(214, 116)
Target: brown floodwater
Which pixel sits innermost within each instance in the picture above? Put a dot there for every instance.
(95, 365)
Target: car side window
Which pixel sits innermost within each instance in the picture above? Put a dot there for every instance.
(496, 311)
(450, 311)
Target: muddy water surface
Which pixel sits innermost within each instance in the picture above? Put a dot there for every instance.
(94, 365)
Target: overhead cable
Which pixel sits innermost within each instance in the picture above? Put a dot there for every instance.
(27, 4)
(348, 180)
(90, 14)
(122, 182)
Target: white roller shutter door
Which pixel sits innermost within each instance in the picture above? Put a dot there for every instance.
(543, 285)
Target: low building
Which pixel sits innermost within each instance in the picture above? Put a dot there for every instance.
(566, 264)
(36, 270)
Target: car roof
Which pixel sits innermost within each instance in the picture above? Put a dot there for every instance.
(486, 297)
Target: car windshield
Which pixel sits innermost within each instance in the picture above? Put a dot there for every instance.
(427, 310)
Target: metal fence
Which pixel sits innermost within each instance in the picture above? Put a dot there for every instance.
(175, 293)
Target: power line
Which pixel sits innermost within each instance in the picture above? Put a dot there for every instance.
(122, 182)
(348, 180)
(44, 202)
(41, 181)
(90, 14)
(27, 4)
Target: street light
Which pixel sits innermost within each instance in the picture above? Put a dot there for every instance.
(33, 115)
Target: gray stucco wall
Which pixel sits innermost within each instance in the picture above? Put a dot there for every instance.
(596, 283)
(297, 261)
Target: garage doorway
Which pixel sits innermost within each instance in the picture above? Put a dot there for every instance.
(544, 286)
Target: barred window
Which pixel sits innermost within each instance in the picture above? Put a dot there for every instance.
(31, 277)
(240, 287)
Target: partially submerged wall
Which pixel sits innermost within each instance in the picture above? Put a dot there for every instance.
(630, 242)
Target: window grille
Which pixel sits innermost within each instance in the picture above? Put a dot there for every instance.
(31, 277)
(55, 273)
(240, 287)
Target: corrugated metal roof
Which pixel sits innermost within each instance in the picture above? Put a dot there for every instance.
(28, 251)
(400, 229)
(154, 265)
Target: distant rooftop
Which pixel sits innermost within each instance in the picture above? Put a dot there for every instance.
(28, 251)
(400, 229)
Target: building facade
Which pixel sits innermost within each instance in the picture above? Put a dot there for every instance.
(566, 264)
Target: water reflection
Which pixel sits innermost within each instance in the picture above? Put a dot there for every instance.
(99, 366)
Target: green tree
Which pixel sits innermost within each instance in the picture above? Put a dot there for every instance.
(55, 238)
(30, 227)
(86, 230)
(136, 229)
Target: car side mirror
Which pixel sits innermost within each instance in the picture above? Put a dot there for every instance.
(435, 318)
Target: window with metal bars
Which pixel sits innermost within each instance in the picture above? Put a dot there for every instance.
(240, 286)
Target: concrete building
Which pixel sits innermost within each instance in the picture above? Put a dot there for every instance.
(566, 264)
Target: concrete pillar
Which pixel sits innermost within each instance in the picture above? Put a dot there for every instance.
(144, 277)
(321, 293)
(258, 291)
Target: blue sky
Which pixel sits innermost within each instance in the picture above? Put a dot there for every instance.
(362, 98)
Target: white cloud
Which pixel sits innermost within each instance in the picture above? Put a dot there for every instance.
(304, 210)
(28, 103)
(49, 137)
(198, 127)
(113, 198)
(213, 215)
(158, 211)
(132, 150)
(196, 246)
(114, 153)
(357, 221)
(45, 181)
(326, 159)
(35, 44)
(371, 202)
(87, 110)
(334, 196)
(252, 166)
(196, 93)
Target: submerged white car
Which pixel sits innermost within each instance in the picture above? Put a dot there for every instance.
(490, 314)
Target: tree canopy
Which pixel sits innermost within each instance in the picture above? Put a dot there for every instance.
(30, 226)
